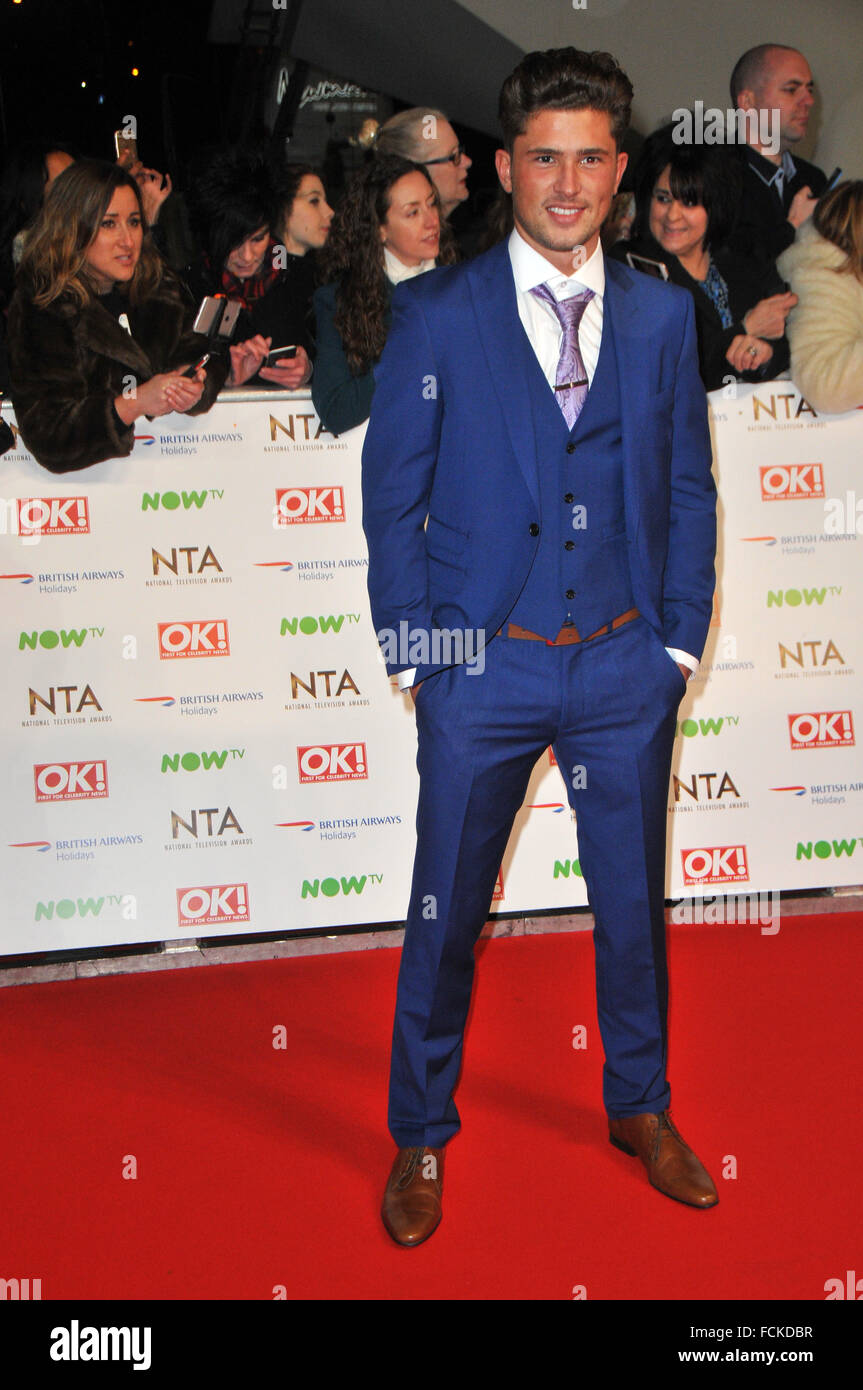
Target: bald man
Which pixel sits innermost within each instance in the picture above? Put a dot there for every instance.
(780, 190)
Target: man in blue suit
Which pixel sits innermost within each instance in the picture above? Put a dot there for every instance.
(540, 517)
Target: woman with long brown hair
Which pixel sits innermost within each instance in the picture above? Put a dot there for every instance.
(387, 228)
(99, 332)
(825, 268)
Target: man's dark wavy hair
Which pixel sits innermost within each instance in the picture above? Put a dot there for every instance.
(565, 79)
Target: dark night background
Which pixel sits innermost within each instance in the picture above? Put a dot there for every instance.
(50, 47)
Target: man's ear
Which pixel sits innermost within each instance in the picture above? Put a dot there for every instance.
(622, 161)
(746, 100)
(503, 165)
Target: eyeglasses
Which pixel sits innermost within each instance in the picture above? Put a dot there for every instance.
(453, 158)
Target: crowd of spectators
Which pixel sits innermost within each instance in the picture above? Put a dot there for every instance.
(98, 304)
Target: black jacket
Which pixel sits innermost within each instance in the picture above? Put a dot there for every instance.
(762, 228)
(67, 364)
(284, 313)
(747, 281)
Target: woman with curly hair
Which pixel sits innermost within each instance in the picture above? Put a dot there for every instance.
(825, 267)
(99, 332)
(387, 228)
(237, 206)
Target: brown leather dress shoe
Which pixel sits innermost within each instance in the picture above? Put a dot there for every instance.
(411, 1208)
(671, 1165)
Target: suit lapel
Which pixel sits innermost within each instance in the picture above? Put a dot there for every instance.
(506, 348)
(634, 380)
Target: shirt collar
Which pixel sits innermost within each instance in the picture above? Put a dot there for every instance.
(530, 269)
(396, 270)
(767, 171)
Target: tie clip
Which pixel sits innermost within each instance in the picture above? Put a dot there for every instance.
(567, 385)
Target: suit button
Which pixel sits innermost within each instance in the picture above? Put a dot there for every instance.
(569, 545)
(570, 448)
(570, 593)
(568, 497)
(534, 529)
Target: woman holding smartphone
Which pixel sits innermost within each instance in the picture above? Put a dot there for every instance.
(686, 198)
(236, 205)
(99, 331)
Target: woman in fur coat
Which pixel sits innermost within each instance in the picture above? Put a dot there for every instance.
(825, 269)
(99, 333)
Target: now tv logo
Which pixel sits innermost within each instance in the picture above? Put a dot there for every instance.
(824, 729)
(53, 516)
(334, 762)
(296, 505)
(782, 482)
(715, 864)
(70, 781)
(206, 637)
(213, 904)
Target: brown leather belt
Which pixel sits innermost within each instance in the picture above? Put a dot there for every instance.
(569, 632)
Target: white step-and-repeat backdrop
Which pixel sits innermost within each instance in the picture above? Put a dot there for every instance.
(200, 738)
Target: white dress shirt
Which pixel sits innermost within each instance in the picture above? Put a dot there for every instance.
(544, 332)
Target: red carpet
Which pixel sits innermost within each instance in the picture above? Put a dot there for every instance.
(259, 1167)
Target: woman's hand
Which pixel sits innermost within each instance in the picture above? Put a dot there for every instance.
(747, 354)
(154, 187)
(162, 395)
(291, 372)
(767, 319)
(246, 358)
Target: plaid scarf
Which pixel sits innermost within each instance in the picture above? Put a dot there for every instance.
(248, 291)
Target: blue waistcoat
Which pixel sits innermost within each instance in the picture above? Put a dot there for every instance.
(581, 570)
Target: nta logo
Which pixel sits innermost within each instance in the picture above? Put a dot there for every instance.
(798, 656)
(49, 702)
(208, 560)
(310, 687)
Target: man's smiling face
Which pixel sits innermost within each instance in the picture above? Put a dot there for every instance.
(563, 173)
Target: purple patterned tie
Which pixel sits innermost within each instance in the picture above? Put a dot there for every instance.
(571, 380)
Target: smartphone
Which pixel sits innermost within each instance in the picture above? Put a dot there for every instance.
(209, 314)
(228, 321)
(126, 145)
(201, 362)
(654, 268)
(276, 354)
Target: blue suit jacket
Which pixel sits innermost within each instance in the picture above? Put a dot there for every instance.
(450, 481)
